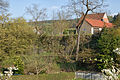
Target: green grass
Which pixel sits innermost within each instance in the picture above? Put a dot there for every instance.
(119, 76)
(59, 76)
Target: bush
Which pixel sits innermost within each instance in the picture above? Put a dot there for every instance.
(19, 64)
(40, 63)
(14, 61)
(104, 62)
(16, 38)
(56, 44)
(108, 41)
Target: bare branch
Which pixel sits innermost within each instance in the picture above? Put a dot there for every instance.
(36, 13)
(3, 5)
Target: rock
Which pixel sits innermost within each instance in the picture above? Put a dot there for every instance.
(31, 73)
(111, 74)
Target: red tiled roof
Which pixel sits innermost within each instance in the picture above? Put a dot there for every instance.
(98, 23)
(110, 25)
(95, 20)
(97, 16)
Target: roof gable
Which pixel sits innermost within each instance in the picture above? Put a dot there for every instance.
(98, 23)
(97, 20)
(97, 16)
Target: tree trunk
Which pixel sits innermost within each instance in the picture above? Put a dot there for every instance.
(78, 43)
(78, 38)
(37, 71)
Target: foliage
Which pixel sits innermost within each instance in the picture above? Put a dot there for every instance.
(60, 25)
(116, 20)
(19, 64)
(119, 76)
(108, 41)
(110, 18)
(4, 17)
(60, 22)
(43, 63)
(69, 31)
(13, 61)
(49, 44)
(57, 44)
(104, 62)
(16, 37)
(66, 64)
(47, 29)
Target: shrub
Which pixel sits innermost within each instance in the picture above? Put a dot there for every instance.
(19, 64)
(40, 63)
(104, 62)
(16, 38)
(108, 41)
(14, 61)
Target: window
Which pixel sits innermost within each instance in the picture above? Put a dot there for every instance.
(84, 29)
(102, 19)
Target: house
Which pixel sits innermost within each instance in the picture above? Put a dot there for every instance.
(94, 23)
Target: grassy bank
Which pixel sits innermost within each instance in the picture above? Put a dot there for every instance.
(59, 76)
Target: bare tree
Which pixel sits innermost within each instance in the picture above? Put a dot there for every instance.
(60, 21)
(37, 15)
(3, 11)
(3, 5)
(82, 8)
(4, 17)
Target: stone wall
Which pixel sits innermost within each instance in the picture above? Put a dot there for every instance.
(90, 76)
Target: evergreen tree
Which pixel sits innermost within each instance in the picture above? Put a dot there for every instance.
(108, 41)
(116, 20)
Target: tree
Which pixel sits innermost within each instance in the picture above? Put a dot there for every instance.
(37, 15)
(43, 63)
(108, 41)
(4, 18)
(60, 22)
(3, 5)
(110, 18)
(38, 62)
(83, 7)
(116, 20)
(16, 38)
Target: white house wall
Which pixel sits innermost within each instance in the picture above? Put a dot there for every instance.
(105, 18)
(92, 30)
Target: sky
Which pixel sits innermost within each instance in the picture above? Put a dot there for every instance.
(17, 7)
(114, 6)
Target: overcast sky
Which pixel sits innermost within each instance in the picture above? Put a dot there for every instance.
(17, 7)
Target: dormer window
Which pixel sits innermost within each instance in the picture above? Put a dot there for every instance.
(102, 19)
